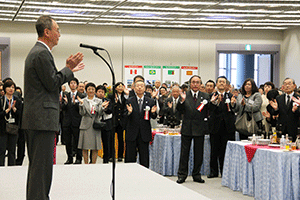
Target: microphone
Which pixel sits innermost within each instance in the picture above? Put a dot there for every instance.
(90, 47)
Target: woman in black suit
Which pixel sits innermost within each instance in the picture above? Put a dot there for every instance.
(10, 113)
(120, 105)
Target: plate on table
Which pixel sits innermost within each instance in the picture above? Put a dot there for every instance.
(246, 141)
(274, 145)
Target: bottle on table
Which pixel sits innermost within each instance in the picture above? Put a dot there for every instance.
(287, 141)
(274, 137)
(282, 142)
(253, 139)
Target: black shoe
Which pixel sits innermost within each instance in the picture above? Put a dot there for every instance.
(105, 161)
(212, 176)
(110, 160)
(199, 180)
(120, 159)
(180, 180)
(68, 162)
(77, 162)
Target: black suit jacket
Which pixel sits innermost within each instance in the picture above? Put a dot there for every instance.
(135, 121)
(120, 106)
(16, 115)
(170, 115)
(287, 117)
(221, 112)
(72, 116)
(194, 123)
(107, 111)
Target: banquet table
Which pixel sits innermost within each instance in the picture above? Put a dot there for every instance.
(271, 174)
(165, 155)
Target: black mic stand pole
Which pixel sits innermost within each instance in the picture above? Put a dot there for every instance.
(113, 123)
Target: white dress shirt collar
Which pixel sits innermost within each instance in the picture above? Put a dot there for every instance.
(45, 45)
(193, 93)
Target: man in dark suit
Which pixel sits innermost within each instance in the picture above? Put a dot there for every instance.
(71, 122)
(194, 105)
(221, 125)
(42, 84)
(287, 109)
(138, 130)
(172, 115)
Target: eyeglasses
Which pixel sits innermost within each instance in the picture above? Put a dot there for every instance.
(195, 82)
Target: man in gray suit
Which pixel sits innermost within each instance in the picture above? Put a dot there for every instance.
(42, 84)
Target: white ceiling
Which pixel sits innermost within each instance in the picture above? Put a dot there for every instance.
(228, 14)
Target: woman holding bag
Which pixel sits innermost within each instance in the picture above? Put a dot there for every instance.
(89, 138)
(249, 102)
(10, 113)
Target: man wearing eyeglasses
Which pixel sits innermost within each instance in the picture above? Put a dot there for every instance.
(194, 106)
(42, 86)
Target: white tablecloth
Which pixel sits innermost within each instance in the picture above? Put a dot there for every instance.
(272, 174)
(165, 155)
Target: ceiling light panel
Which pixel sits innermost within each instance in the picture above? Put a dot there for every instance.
(181, 14)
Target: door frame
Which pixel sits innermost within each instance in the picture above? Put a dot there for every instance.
(273, 49)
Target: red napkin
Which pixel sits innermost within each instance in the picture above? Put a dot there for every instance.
(250, 151)
(153, 134)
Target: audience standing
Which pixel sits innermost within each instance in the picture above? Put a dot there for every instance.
(71, 122)
(89, 138)
(249, 101)
(140, 109)
(10, 113)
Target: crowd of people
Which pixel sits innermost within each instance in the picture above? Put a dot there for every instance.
(87, 103)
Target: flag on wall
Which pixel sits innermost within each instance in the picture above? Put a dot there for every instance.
(152, 72)
(189, 73)
(171, 72)
(133, 71)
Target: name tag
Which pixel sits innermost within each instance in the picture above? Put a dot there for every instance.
(11, 120)
(251, 102)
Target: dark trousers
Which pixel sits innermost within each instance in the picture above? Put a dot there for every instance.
(71, 133)
(20, 147)
(185, 154)
(9, 142)
(107, 144)
(40, 146)
(119, 131)
(218, 142)
(138, 145)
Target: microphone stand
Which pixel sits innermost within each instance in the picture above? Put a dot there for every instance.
(113, 123)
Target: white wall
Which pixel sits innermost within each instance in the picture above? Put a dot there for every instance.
(132, 46)
(291, 55)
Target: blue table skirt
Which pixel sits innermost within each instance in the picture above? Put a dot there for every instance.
(165, 155)
(272, 174)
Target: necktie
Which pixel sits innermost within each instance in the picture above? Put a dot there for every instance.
(174, 106)
(140, 104)
(222, 97)
(72, 99)
(195, 97)
(288, 100)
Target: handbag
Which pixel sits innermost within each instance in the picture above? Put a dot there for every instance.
(12, 129)
(99, 125)
(246, 127)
